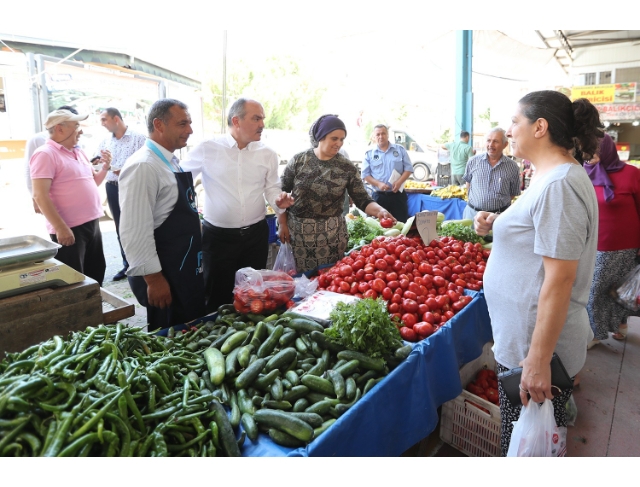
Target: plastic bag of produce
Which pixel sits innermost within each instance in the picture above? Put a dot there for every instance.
(572, 411)
(261, 291)
(535, 434)
(285, 261)
(628, 293)
(305, 287)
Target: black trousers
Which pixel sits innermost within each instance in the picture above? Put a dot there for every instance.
(86, 254)
(394, 203)
(114, 206)
(224, 251)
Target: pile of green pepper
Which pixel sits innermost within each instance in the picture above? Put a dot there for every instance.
(107, 391)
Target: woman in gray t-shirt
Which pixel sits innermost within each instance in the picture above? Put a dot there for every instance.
(541, 266)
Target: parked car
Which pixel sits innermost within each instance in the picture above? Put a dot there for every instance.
(423, 157)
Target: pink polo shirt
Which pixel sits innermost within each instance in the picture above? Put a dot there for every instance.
(73, 190)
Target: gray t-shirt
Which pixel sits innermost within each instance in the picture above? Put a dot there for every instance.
(557, 217)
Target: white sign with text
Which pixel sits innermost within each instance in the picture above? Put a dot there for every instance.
(426, 224)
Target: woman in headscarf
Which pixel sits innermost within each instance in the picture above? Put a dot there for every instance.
(617, 187)
(317, 179)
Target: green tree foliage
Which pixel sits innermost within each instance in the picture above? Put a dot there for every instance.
(444, 137)
(290, 98)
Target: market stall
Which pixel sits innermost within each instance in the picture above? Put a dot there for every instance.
(170, 387)
(403, 408)
(451, 207)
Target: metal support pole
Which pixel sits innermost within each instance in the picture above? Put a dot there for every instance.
(223, 122)
(34, 92)
(464, 93)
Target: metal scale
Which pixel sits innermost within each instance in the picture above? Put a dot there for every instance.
(27, 264)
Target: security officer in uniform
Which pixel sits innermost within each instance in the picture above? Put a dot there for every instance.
(386, 168)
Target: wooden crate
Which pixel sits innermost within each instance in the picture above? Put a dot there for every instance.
(114, 308)
(30, 318)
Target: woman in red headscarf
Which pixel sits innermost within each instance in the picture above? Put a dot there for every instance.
(617, 187)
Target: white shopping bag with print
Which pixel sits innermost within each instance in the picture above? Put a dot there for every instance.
(536, 434)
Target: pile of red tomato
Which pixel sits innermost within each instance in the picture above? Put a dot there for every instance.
(485, 386)
(422, 284)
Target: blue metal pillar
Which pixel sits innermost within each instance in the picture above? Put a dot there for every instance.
(464, 93)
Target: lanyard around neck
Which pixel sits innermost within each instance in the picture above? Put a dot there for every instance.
(157, 151)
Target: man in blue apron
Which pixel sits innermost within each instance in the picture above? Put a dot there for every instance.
(159, 222)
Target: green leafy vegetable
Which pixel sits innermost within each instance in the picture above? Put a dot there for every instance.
(459, 232)
(364, 326)
(359, 230)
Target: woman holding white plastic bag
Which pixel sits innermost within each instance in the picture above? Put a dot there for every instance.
(538, 278)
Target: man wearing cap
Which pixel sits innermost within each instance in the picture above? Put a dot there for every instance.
(122, 144)
(65, 188)
(33, 143)
(386, 168)
(238, 173)
(159, 222)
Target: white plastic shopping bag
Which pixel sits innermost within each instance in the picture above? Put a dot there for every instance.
(285, 261)
(536, 434)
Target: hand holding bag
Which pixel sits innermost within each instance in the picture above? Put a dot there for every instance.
(285, 261)
(510, 380)
(535, 434)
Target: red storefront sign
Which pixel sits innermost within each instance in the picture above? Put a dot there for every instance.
(619, 111)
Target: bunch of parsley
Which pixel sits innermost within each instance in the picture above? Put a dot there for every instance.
(358, 231)
(459, 232)
(364, 326)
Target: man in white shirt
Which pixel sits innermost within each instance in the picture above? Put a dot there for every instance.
(159, 222)
(238, 173)
(122, 144)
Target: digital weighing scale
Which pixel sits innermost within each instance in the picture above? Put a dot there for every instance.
(27, 264)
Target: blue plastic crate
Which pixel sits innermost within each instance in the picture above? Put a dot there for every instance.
(273, 231)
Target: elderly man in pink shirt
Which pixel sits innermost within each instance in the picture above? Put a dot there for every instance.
(65, 187)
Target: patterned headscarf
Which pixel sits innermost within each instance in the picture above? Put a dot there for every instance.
(609, 162)
(323, 126)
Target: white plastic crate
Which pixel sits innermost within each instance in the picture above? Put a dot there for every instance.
(466, 427)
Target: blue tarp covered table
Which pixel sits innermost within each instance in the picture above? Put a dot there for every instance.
(451, 207)
(402, 409)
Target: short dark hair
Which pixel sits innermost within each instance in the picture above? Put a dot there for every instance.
(464, 134)
(160, 109)
(572, 125)
(67, 107)
(113, 112)
(238, 109)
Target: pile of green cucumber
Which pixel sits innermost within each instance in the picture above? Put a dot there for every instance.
(118, 391)
(281, 375)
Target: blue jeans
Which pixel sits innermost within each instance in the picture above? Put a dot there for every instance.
(114, 206)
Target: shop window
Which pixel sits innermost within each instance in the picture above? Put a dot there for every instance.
(627, 75)
(605, 78)
(589, 78)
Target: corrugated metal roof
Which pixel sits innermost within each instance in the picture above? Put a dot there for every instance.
(100, 57)
(566, 43)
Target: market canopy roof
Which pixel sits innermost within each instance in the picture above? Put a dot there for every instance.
(61, 51)
(566, 43)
